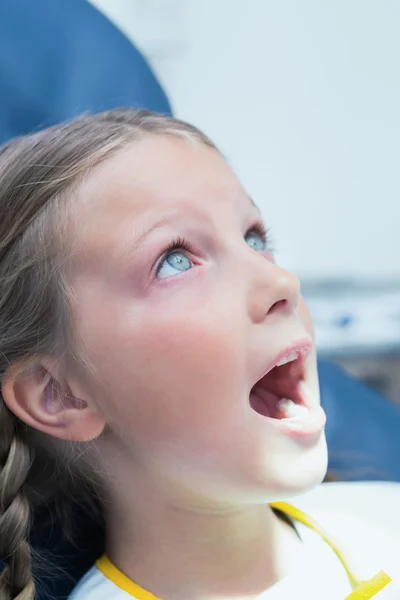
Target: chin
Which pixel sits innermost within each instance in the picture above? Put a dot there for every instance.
(303, 474)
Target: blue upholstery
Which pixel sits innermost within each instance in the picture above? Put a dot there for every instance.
(363, 428)
(61, 58)
(59, 563)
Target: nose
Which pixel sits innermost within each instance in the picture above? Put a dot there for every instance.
(272, 289)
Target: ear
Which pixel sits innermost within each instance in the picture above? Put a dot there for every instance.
(41, 396)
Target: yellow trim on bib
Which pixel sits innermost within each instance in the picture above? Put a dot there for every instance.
(369, 588)
(112, 572)
(362, 590)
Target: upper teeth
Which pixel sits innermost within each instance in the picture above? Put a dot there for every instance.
(288, 358)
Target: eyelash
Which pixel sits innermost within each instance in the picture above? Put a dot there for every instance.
(180, 243)
(177, 244)
(260, 229)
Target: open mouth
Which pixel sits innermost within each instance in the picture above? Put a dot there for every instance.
(279, 394)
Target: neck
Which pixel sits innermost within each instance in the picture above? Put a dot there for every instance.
(181, 552)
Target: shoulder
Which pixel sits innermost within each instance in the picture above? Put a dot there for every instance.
(95, 586)
(364, 521)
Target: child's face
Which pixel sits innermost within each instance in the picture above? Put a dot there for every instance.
(179, 340)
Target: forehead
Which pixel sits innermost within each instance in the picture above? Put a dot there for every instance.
(148, 178)
(161, 169)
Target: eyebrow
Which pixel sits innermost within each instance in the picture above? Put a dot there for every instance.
(132, 247)
(253, 203)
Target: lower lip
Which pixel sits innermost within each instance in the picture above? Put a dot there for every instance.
(308, 426)
(311, 425)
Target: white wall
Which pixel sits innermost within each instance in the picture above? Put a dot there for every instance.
(304, 98)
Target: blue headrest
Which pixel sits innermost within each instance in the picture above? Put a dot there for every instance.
(61, 58)
(363, 428)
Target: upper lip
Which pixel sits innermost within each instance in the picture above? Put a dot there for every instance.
(303, 346)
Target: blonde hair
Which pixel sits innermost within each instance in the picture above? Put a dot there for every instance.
(38, 175)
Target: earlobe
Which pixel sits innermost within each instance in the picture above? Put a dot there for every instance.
(39, 395)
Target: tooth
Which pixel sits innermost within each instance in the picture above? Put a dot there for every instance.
(290, 409)
(288, 358)
(284, 404)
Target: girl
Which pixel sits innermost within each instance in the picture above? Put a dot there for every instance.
(151, 347)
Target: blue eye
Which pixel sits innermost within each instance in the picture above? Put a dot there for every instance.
(174, 263)
(256, 241)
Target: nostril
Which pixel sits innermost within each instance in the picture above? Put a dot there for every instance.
(278, 307)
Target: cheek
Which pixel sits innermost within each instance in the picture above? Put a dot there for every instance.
(168, 373)
(305, 317)
(186, 374)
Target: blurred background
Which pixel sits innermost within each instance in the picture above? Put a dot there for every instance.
(303, 98)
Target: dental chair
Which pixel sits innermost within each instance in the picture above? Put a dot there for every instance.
(363, 428)
(59, 59)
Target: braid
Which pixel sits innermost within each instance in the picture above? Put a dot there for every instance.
(16, 581)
